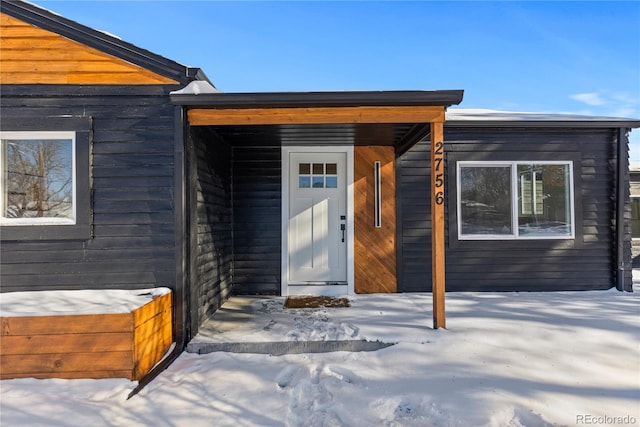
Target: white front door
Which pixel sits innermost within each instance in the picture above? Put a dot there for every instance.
(317, 228)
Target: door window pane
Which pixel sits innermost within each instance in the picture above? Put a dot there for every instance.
(318, 182)
(544, 205)
(304, 181)
(304, 169)
(485, 200)
(331, 181)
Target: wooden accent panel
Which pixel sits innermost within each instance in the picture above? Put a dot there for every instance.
(316, 115)
(31, 55)
(437, 224)
(375, 248)
(123, 345)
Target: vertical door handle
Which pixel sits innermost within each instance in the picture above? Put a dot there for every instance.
(343, 227)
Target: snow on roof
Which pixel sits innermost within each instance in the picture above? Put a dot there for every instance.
(462, 114)
(52, 12)
(196, 87)
(89, 301)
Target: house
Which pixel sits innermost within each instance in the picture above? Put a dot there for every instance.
(140, 173)
(634, 179)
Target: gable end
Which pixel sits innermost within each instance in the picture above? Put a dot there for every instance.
(42, 49)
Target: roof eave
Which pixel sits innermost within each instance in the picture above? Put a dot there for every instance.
(443, 98)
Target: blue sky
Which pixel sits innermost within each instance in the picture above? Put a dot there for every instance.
(564, 57)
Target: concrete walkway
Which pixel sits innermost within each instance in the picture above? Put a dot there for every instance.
(254, 324)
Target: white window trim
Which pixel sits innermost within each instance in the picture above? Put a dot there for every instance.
(27, 135)
(514, 200)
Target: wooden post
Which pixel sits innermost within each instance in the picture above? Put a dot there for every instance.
(437, 224)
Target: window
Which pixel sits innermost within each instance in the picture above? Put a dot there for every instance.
(318, 175)
(635, 217)
(509, 200)
(38, 178)
(45, 178)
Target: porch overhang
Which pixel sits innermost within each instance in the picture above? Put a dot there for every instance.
(398, 118)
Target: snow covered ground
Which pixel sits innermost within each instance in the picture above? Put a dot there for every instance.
(506, 359)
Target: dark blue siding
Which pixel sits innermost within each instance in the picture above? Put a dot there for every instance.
(212, 270)
(525, 265)
(132, 162)
(257, 201)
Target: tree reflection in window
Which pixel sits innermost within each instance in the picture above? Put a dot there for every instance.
(515, 199)
(485, 200)
(37, 178)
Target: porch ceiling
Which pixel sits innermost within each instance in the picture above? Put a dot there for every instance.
(322, 134)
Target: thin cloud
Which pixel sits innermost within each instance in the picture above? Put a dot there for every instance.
(615, 104)
(590, 98)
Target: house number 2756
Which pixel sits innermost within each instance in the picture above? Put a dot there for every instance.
(438, 157)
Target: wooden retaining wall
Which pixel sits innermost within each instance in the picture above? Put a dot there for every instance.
(124, 345)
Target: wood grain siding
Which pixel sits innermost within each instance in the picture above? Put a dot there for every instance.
(535, 265)
(212, 283)
(31, 55)
(133, 241)
(374, 247)
(257, 219)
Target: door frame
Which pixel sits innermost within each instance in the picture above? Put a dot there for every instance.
(331, 290)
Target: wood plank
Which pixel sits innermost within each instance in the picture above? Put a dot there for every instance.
(374, 248)
(53, 41)
(6, 20)
(95, 374)
(60, 65)
(317, 115)
(65, 343)
(65, 362)
(81, 323)
(132, 77)
(437, 224)
(38, 54)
